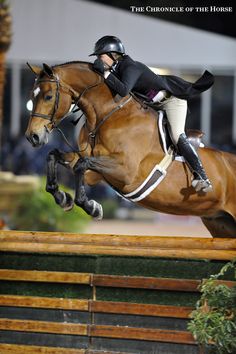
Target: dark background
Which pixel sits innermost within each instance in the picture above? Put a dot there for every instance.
(218, 22)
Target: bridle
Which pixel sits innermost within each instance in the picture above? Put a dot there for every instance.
(56, 103)
(74, 95)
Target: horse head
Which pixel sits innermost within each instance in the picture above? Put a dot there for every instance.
(49, 104)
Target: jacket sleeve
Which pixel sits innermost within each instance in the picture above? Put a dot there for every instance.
(128, 79)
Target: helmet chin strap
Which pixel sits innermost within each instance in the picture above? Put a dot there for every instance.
(115, 60)
(111, 56)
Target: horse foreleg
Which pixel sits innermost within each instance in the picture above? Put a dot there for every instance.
(61, 198)
(91, 207)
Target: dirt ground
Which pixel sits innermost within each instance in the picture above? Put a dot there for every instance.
(160, 225)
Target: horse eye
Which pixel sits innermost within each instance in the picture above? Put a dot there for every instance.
(48, 97)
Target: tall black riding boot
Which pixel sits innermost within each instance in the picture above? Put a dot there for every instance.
(200, 180)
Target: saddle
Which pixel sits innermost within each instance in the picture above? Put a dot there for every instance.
(194, 136)
(159, 171)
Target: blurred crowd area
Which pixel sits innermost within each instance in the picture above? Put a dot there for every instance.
(19, 157)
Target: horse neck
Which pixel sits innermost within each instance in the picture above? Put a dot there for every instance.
(98, 101)
(95, 101)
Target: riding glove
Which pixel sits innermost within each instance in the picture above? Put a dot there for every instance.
(98, 66)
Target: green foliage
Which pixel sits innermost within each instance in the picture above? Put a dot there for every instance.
(39, 212)
(213, 322)
(4, 2)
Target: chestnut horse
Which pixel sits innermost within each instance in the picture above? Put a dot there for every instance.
(120, 144)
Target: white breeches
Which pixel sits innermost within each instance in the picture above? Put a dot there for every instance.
(176, 111)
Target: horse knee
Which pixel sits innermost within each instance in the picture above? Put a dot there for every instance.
(81, 166)
(53, 155)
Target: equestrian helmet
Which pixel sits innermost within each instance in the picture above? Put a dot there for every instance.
(108, 44)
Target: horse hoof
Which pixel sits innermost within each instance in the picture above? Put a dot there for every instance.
(97, 211)
(67, 202)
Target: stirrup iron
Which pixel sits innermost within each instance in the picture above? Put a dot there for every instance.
(202, 185)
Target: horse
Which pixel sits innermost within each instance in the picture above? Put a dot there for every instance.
(120, 144)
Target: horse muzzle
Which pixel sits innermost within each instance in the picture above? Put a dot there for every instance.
(36, 139)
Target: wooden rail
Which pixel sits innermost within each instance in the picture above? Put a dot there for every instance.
(29, 349)
(105, 280)
(144, 246)
(96, 306)
(130, 306)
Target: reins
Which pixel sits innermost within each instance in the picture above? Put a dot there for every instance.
(76, 97)
(93, 133)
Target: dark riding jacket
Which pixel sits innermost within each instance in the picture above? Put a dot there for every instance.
(129, 75)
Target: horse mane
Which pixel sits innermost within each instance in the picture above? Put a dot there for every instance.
(72, 62)
(78, 62)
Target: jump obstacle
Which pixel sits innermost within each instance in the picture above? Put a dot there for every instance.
(88, 294)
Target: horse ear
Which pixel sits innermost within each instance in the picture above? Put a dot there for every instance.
(35, 69)
(48, 70)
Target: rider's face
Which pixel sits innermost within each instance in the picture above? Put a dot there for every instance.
(106, 59)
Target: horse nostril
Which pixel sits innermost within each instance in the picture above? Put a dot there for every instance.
(35, 138)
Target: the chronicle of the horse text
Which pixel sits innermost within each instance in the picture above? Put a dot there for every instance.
(182, 9)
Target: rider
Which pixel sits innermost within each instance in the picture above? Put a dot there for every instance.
(170, 93)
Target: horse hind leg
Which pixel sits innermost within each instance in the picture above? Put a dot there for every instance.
(223, 225)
